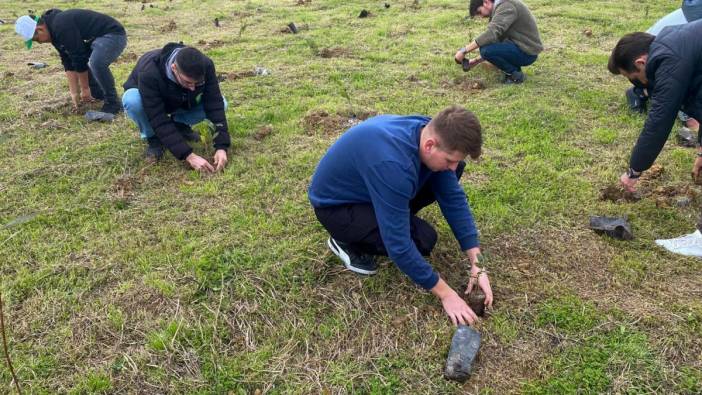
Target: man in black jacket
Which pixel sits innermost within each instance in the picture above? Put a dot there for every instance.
(88, 42)
(169, 90)
(669, 66)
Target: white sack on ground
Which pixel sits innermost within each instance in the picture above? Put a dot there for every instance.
(689, 245)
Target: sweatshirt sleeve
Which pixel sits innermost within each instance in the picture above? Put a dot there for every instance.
(454, 206)
(504, 17)
(667, 96)
(159, 120)
(76, 54)
(214, 108)
(390, 191)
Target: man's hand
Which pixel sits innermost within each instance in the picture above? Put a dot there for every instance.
(456, 308)
(479, 276)
(220, 159)
(629, 184)
(199, 163)
(696, 170)
(460, 55)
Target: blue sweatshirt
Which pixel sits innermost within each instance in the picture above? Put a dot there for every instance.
(377, 162)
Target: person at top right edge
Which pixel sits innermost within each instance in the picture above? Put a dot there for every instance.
(637, 96)
(669, 67)
(510, 42)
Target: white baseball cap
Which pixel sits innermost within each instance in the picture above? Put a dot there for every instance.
(25, 27)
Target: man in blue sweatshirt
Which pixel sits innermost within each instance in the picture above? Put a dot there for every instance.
(371, 183)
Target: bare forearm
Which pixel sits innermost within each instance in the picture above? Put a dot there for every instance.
(441, 289)
(472, 46)
(73, 86)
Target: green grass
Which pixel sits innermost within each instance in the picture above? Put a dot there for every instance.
(119, 277)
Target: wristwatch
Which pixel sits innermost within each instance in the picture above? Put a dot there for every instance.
(633, 174)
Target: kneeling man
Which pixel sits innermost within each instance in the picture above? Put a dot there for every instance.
(369, 186)
(169, 90)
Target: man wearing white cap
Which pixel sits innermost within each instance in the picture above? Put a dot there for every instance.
(87, 42)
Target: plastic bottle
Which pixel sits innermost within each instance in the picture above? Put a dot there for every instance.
(464, 349)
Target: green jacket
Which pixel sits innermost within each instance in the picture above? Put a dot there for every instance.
(512, 21)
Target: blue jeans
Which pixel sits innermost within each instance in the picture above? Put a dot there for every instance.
(131, 101)
(506, 56)
(105, 50)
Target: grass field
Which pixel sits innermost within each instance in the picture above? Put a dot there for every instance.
(119, 277)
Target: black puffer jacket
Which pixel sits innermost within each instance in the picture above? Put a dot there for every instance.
(674, 72)
(160, 97)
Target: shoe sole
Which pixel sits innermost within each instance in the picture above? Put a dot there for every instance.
(347, 260)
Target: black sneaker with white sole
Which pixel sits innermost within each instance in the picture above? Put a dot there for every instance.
(357, 263)
(516, 77)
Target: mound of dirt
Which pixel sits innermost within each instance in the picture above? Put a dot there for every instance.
(127, 57)
(123, 187)
(205, 45)
(334, 52)
(263, 132)
(653, 173)
(329, 124)
(617, 194)
(675, 195)
(171, 26)
(235, 75)
(466, 84)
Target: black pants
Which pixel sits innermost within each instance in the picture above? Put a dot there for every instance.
(357, 225)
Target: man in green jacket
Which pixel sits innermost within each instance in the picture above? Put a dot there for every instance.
(511, 40)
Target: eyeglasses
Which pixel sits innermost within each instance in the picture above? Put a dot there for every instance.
(185, 81)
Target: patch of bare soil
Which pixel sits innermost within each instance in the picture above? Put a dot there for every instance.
(127, 57)
(466, 84)
(617, 194)
(205, 45)
(655, 172)
(61, 106)
(123, 188)
(263, 132)
(681, 195)
(675, 195)
(334, 52)
(329, 124)
(303, 2)
(171, 26)
(236, 75)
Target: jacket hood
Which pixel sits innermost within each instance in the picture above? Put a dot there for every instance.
(165, 54)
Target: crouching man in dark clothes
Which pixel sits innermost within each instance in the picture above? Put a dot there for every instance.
(169, 90)
(88, 42)
(510, 42)
(369, 186)
(669, 66)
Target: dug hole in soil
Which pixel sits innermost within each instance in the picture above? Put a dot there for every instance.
(475, 300)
